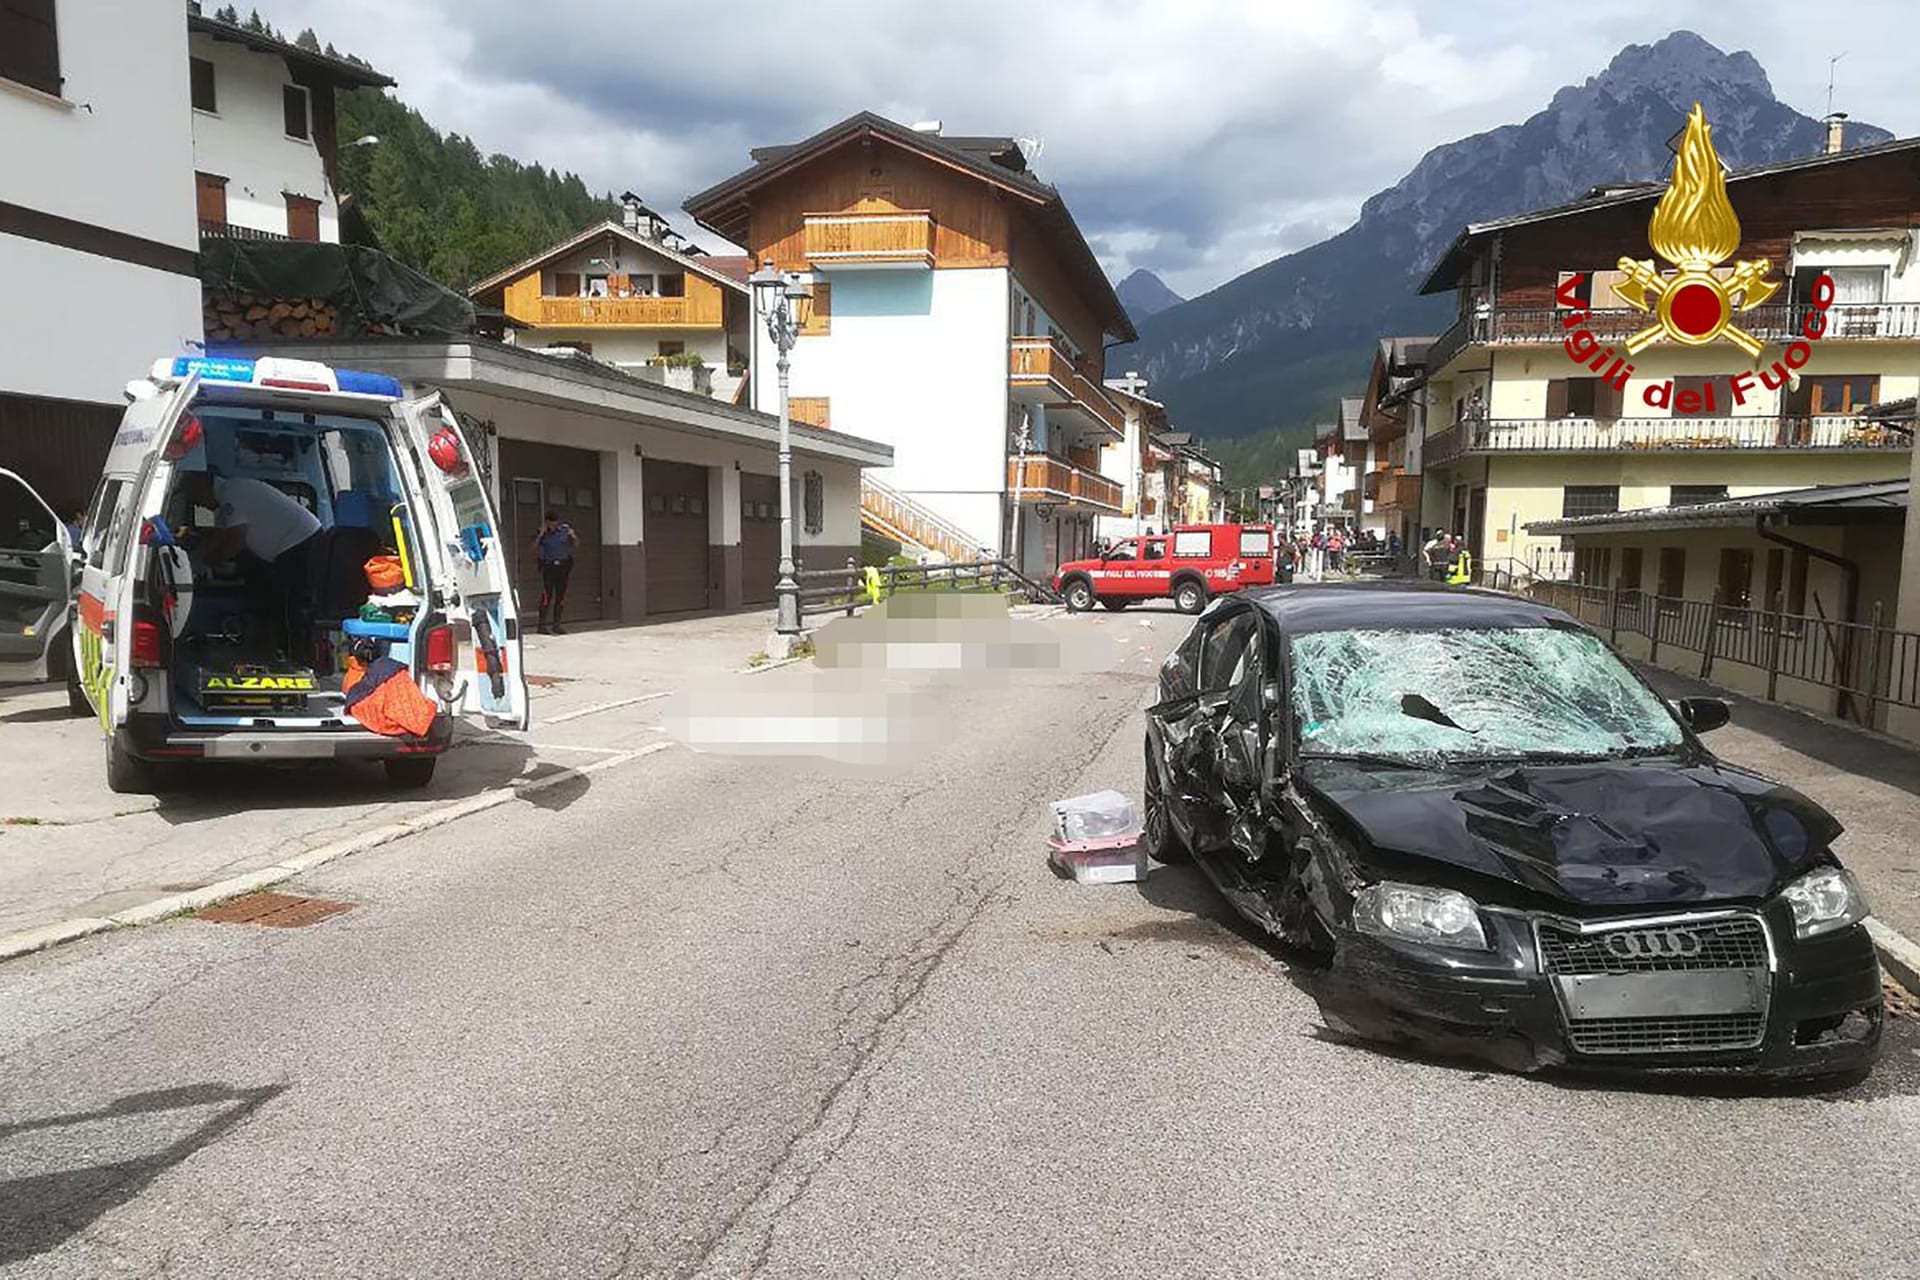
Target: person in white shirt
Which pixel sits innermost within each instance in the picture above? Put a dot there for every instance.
(277, 534)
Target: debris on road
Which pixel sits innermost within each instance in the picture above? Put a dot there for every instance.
(1096, 839)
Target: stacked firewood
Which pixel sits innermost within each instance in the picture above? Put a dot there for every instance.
(245, 316)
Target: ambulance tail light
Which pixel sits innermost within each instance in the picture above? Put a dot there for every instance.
(185, 440)
(145, 641)
(440, 650)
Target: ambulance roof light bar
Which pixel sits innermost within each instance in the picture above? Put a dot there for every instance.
(278, 373)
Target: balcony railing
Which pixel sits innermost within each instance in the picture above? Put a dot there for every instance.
(1042, 364)
(665, 313)
(1038, 477)
(1655, 435)
(1856, 321)
(210, 230)
(1392, 488)
(894, 238)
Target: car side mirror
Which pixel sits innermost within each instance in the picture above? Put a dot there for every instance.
(1702, 715)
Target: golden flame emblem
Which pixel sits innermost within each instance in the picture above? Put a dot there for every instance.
(1694, 229)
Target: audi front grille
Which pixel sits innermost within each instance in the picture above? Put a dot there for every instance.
(1735, 942)
(1625, 987)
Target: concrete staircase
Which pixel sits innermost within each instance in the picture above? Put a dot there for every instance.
(893, 515)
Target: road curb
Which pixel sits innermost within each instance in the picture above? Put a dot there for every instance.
(40, 937)
(1899, 954)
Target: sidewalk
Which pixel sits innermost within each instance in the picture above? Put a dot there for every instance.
(71, 849)
(1871, 783)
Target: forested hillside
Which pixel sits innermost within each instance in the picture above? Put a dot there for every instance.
(437, 204)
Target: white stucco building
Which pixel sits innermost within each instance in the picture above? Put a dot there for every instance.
(956, 314)
(97, 237)
(265, 143)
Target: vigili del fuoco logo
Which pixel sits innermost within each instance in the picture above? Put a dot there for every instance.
(1694, 228)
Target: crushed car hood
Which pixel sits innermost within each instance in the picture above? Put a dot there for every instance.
(1644, 832)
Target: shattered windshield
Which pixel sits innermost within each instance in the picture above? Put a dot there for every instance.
(1426, 696)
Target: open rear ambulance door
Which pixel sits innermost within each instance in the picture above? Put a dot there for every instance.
(36, 580)
(462, 534)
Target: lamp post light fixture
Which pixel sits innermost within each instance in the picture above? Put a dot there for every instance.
(774, 294)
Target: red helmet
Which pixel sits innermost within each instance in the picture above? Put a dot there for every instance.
(444, 449)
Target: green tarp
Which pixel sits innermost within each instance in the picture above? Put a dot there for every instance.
(372, 291)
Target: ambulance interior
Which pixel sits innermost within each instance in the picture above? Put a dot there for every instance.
(262, 633)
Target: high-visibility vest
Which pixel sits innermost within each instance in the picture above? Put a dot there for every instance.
(1462, 571)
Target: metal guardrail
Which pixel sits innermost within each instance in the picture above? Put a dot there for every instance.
(1867, 665)
(844, 590)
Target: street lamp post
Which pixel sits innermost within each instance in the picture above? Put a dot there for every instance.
(776, 292)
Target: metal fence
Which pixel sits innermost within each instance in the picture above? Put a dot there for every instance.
(846, 589)
(1865, 666)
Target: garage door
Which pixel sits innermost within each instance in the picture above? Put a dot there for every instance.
(676, 536)
(536, 478)
(760, 537)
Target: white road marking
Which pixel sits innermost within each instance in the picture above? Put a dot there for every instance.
(42, 936)
(598, 707)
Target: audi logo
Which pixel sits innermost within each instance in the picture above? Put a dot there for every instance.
(1655, 944)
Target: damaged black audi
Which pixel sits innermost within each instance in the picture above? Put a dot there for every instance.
(1491, 837)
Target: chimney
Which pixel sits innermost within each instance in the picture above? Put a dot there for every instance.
(1836, 131)
(630, 211)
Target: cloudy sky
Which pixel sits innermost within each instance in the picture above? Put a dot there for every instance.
(1195, 137)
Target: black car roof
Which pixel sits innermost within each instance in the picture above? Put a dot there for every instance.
(1412, 606)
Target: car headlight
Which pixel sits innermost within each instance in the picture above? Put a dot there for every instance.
(1415, 913)
(1823, 901)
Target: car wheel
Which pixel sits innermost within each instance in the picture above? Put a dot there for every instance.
(410, 773)
(128, 774)
(1189, 597)
(1110, 602)
(1079, 595)
(1163, 842)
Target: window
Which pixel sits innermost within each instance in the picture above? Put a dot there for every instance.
(1736, 577)
(1690, 393)
(1589, 500)
(596, 286)
(1776, 577)
(1223, 657)
(672, 347)
(106, 504)
(1592, 565)
(1155, 549)
(1692, 495)
(1582, 291)
(293, 106)
(200, 76)
(1673, 572)
(1834, 394)
(30, 44)
(209, 194)
(813, 502)
(1858, 284)
(566, 284)
(1193, 542)
(673, 286)
(303, 218)
(1631, 559)
(816, 313)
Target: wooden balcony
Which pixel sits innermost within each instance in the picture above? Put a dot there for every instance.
(630, 313)
(1038, 477)
(891, 238)
(1042, 372)
(1394, 488)
(1658, 435)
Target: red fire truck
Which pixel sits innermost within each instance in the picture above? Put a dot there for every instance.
(1189, 563)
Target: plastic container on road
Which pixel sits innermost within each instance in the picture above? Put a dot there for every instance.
(1116, 859)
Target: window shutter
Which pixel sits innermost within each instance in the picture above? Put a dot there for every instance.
(1557, 398)
(30, 44)
(1608, 400)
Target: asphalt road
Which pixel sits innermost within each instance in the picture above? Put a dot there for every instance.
(705, 1015)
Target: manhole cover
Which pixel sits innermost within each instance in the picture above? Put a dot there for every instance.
(275, 910)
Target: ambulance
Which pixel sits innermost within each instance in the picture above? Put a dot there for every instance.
(264, 533)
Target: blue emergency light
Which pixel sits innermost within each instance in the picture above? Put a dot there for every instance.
(227, 369)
